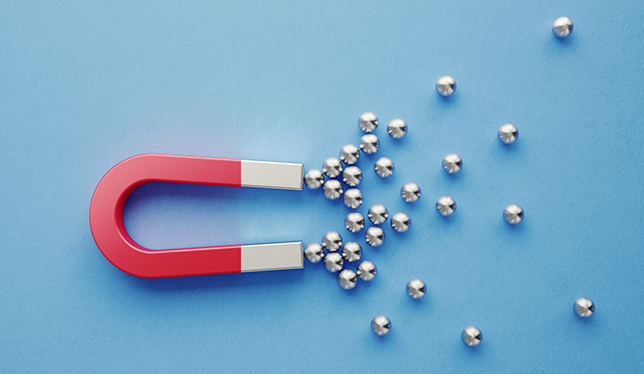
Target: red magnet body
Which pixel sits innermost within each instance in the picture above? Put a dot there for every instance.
(111, 237)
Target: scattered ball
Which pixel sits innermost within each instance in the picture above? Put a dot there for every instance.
(374, 236)
(352, 252)
(471, 336)
(347, 279)
(384, 167)
(508, 133)
(352, 176)
(583, 307)
(332, 241)
(333, 262)
(313, 179)
(380, 325)
(378, 214)
(332, 189)
(410, 192)
(513, 214)
(452, 163)
(368, 122)
(397, 128)
(369, 144)
(416, 288)
(366, 271)
(562, 27)
(332, 167)
(400, 222)
(445, 86)
(354, 222)
(314, 253)
(353, 198)
(349, 154)
(445, 206)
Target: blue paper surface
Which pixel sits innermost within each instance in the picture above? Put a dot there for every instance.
(85, 85)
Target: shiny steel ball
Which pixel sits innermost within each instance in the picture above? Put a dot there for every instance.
(332, 167)
(471, 336)
(445, 86)
(366, 271)
(452, 163)
(332, 189)
(384, 167)
(513, 214)
(353, 198)
(562, 27)
(314, 179)
(380, 325)
(378, 214)
(352, 252)
(314, 253)
(368, 122)
(445, 206)
(354, 222)
(347, 279)
(400, 222)
(416, 288)
(369, 144)
(397, 128)
(332, 241)
(349, 154)
(351, 176)
(374, 236)
(508, 133)
(333, 262)
(410, 192)
(583, 307)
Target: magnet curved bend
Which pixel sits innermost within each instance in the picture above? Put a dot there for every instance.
(111, 237)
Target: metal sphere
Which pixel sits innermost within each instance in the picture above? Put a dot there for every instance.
(400, 222)
(378, 214)
(354, 222)
(513, 214)
(416, 288)
(471, 336)
(380, 325)
(374, 236)
(352, 176)
(332, 189)
(508, 133)
(332, 167)
(583, 307)
(368, 122)
(352, 252)
(384, 167)
(314, 179)
(445, 206)
(347, 279)
(410, 192)
(562, 27)
(369, 144)
(397, 128)
(333, 262)
(332, 241)
(314, 253)
(367, 270)
(353, 198)
(349, 154)
(452, 163)
(445, 86)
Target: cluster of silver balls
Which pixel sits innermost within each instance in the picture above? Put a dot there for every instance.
(343, 170)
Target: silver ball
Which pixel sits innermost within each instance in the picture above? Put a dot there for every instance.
(471, 336)
(374, 236)
(333, 262)
(562, 27)
(380, 325)
(314, 179)
(397, 128)
(347, 279)
(400, 222)
(352, 176)
(513, 214)
(354, 222)
(384, 167)
(445, 86)
(452, 163)
(445, 206)
(369, 144)
(368, 122)
(332, 167)
(416, 288)
(332, 189)
(378, 214)
(583, 307)
(410, 192)
(314, 253)
(332, 241)
(352, 252)
(353, 198)
(508, 133)
(367, 270)
(349, 154)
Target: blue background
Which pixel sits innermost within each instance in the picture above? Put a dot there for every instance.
(84, 85)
